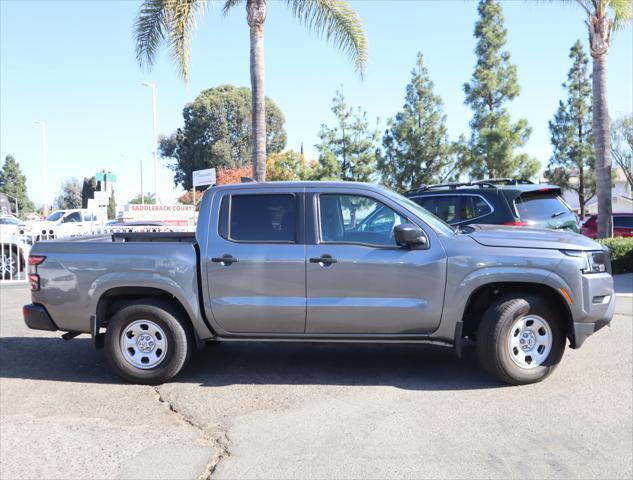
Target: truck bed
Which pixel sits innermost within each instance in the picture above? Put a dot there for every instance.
(133, 237)
(77, 272)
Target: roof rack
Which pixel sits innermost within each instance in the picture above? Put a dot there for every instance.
(504, 181)
(451, 186)
(490, 183)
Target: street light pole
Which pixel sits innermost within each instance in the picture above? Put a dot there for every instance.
(153, 87)
(45, 165)
(142, 194)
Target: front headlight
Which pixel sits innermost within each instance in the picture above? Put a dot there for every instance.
(596, 261)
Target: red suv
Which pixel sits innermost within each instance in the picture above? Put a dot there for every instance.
(622, 225)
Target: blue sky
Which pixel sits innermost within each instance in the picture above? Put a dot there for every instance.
(71, 64)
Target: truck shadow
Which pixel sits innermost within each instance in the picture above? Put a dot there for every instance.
(406, 366)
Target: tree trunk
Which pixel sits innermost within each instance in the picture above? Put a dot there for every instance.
(599, 39)
(581, 192)
(602, 143)
(256, 16)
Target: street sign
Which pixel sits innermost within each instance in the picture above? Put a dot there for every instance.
(204, 177)
(100, 176)
(177, 214)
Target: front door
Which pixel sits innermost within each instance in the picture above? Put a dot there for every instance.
(359, 281)
(256, 263)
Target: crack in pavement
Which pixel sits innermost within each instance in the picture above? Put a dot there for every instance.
(220, 441)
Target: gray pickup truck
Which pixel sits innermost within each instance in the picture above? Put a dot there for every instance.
(323, 261)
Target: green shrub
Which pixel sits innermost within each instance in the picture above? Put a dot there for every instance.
(621, 251)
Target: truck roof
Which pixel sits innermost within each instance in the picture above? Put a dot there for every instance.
(299, 184)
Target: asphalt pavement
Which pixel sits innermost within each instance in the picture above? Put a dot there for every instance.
(267, 410)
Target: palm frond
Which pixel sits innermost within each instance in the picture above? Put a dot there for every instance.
(228, 5)
(623, 12)
(181, 20)
(149, 30)
(340, 24)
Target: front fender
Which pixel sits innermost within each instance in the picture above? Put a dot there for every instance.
(460, 289)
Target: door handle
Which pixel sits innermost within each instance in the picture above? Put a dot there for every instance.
(225, 259)
(324, 260)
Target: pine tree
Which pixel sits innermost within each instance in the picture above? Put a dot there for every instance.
(88, 190)
(494, 137)
(13, 183)
(348, 150)
(415, 145)
(571, 132)
(111, 207)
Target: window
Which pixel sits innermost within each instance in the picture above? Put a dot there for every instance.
(445, 207)
(357, 219)
(473, 206)
(88, 217)
(262, 218)
(623, 222)
(73, 217)
(8, 221)
(56, 215)
(540, 206)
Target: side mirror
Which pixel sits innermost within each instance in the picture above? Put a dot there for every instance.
(409, 235)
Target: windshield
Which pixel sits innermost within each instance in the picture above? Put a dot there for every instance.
(422, 213)
(56, 215)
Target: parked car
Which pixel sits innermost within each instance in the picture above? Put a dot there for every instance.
(10, 224)
(14, 251)
(622, 225)
(63, 223)
(297, 261)
(498, 202)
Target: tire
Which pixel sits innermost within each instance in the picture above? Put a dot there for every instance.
(8, 264)
(148, 342)
(520, 339)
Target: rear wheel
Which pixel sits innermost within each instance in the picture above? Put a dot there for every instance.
(148, 342)
(520, 339)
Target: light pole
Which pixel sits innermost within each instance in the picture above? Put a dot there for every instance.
(45, 165)
(142, 194)
(153, 87)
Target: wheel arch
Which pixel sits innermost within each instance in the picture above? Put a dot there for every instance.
(483, 296)
(116, 298)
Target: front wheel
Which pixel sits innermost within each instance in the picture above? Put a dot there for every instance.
(520, 340)
(148, 342)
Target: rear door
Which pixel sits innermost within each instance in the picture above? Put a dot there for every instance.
(255, 262)
(358, 280)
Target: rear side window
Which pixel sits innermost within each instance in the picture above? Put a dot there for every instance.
(473, 206)
(540, 206)
(623, 222)
(262, 218)
(445, 207)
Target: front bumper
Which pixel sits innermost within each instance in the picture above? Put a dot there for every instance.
(598, 306)
(37, 318)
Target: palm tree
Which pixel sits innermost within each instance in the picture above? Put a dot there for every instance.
(173, 21)
(603, 17)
